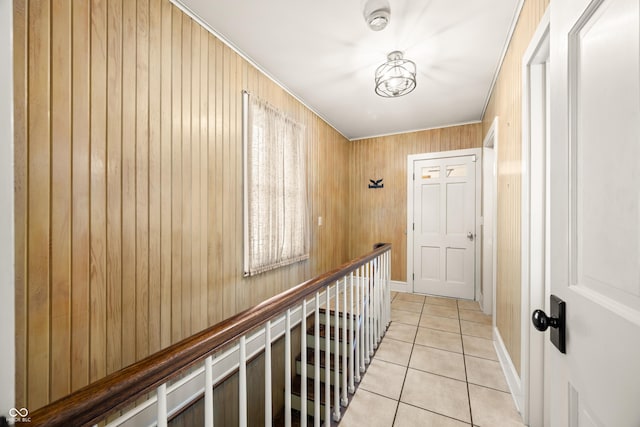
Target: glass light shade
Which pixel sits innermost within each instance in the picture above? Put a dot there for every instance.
(396, 77)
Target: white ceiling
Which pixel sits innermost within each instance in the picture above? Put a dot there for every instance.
(323, 53)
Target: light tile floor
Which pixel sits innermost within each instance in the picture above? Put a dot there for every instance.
(436, 366)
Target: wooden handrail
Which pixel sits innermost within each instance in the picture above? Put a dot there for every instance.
(94, 402)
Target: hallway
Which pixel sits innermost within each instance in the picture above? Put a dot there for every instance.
(436, 366)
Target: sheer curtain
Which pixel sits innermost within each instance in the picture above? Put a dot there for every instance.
(276, 231)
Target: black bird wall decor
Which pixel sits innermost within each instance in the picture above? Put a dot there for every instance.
(376, 183)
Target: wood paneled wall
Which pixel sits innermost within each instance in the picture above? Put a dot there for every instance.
(381, 215)
(506, 103)
(128, 187)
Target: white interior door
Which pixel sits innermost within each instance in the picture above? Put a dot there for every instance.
(595, 210)
(444, 226)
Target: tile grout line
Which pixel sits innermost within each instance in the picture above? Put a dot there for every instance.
(406, 371)
(464, 361)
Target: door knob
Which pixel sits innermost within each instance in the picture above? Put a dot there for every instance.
(470, 236)
(542, 322)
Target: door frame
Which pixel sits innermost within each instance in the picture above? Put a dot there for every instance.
(534, 224)
(7, 233)
(411, 159)
(489, 295)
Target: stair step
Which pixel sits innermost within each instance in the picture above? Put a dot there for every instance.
(311, 358)
(296, 416)
(332, 317)
(323, 332)
(296, 398)
(311, 365)
(311, 339)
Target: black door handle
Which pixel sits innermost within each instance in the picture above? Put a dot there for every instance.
(542, 322)
(556, 321)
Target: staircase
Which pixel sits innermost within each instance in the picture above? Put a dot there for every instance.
(339, 368)
(344, 312)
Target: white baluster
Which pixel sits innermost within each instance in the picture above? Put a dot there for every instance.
(268, 416)
(387, 294)
(363, 317)
(352, 336)
(336, 357)
(242, 377)
(358, 331)
(374, 303)
(345, 338)
(383, 297)
(327, 360)
(161, 392)
(303, 365)
(371, 310)
(316, 364)
(367, 314)
(378, 284)
(287, 370)
(208, 391)
(388, 288)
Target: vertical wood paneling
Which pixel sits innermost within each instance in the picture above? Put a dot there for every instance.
(203, 230)
(193, 180)
(129, 187)
(186, 177)
(38, 226)
(506, 103)
(176, 181)
(60, 197)
(80, 229)
(155, 177)
(98, 202)
(142, 179)
(129, 293)
(214, 209)
(381, 215)
(228, 291)
(114, 186)
(20, 54)
(166, 176)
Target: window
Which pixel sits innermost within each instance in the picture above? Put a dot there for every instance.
(276, 229)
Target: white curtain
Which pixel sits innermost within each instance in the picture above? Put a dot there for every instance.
(276, 219)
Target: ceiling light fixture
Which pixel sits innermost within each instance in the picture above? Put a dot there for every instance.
(377, 14)
(396, 77)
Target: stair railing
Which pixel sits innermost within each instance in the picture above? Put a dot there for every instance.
(358, 292)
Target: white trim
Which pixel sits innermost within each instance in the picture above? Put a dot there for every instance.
(397, 286)
(7, 236)
(514, 22)
(360, 138)
(533, 217)
(491, 141)
(410, 203)
(183, 7)
(510, 373)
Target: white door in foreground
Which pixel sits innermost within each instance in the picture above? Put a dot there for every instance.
(595, 211)
(444, 226)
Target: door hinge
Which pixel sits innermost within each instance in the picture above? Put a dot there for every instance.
(474, 158)
(413, 276)
(414, 176)
(413, 226)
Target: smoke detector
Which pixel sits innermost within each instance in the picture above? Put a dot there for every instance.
(377, 14)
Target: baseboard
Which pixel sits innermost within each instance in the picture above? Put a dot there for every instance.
(397, 286)
(510, 372)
